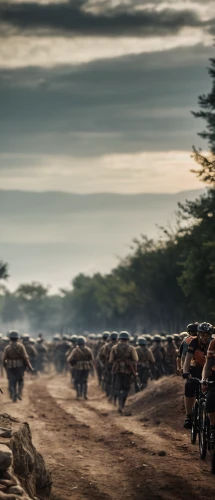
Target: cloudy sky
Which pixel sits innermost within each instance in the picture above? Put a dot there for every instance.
(95, 95)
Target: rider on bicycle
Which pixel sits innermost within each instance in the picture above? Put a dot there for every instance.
(193, 366)
(186, 337)
(209, 374)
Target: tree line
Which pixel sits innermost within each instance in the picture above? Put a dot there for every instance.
(160, 286)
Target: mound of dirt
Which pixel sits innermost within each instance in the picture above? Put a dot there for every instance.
(161, 402)
(27, 474)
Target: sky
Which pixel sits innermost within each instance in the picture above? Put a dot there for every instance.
(96, 95)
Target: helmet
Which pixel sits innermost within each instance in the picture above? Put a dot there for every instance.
(65, 337)
(25, 337)
(205, 328)
(14, 335)
(163, 338)
(183, 335)
(141, 341)
(157, 338)
(73, 339)
(148, 337)
(56, 336)
(169, 338)
(176, 336)
(132, 340)
(192, 328)
(124, 335)
(114, 336)
(105, 335)
(81, 341)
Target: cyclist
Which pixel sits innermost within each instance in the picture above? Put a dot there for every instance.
(188, 337)
(193, 366)
(209, 374)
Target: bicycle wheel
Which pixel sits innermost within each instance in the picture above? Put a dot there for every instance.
(194, 428)
(202, 430)
(212, 453)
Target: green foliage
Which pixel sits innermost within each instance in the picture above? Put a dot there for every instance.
(198, 270)
(207, 112)
(31, 308)
(3, 271)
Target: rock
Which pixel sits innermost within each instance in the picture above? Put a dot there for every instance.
(121, 459)
(127, 433)
(16, 490)
(9, 482)
(5, 433)
(8, 417)
(6, 457)
(162, 453)
(143, 419)
(28, 464)
(127, 413)
(158, 422)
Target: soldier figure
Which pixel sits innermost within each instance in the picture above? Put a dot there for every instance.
(159, 353)
(99, 364)
(123, 358)
(171, 355)
(81, 358)
(15, 360)
(73, 341)
(104, 356)
(42, 354)
(30, 349)
(145, 363)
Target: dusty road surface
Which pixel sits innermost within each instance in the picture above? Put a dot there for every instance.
(96, 454)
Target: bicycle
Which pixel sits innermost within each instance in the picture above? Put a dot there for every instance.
(195, 413)
(206, 440)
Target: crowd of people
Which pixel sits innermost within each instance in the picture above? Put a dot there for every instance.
(118, 360)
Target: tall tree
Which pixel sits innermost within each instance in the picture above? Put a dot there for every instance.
(3, 271)
(207, 112)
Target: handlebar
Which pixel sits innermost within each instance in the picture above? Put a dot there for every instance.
(202, 382)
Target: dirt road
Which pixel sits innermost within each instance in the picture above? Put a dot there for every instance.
(95, 454)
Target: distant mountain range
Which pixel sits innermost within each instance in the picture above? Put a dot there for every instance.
(52, 236)
(17, 202)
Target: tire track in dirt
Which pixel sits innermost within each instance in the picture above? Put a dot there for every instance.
(89, 459)
(169, 477)
(82, 442)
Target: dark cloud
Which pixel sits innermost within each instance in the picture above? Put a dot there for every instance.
(73, 18)
(119, 105)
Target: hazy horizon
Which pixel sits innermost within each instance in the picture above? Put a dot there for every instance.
(51, 237)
